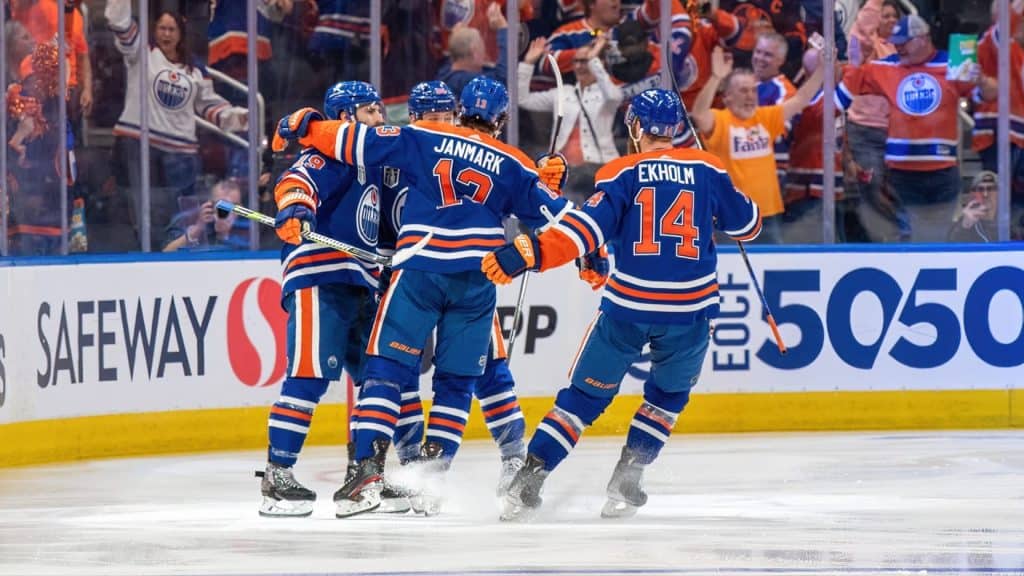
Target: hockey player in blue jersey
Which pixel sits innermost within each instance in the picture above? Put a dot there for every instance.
(657, 210)
(463, 181)
(433, 101)
(328, 294)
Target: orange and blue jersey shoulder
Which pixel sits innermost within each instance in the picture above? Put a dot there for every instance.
(347, 210)
(657, 211)
(924, 109)
(986, 114)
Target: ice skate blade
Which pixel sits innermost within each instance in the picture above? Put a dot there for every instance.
(394, 506)
(514, 511)
(349, 508)
(426, 505)
(618, 509)
(271, 508)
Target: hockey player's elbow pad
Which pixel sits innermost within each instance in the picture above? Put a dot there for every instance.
(511, 260)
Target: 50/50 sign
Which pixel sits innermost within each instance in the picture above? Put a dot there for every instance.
(945, 322)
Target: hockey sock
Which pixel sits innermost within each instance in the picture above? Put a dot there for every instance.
(409, 431)
(653, 422)
(290, 417)
(559, 431)
(502, 413)
(377, 412)
(453, 396)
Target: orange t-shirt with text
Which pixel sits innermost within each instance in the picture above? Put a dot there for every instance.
(746, 149)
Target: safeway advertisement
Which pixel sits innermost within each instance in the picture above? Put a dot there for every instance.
(90, 339)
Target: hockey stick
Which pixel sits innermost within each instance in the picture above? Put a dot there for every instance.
(559, 114)
(224, 208)
(743, 251)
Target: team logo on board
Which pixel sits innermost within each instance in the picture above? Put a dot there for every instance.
(172, 89)
(368, 215)
(919, 94)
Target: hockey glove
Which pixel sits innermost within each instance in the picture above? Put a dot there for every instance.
(292, 221)
(553, 171)
(594, 268)
(294, 126)
(511, 260)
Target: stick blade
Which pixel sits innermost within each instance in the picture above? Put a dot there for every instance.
(406, 253)
(224, 208)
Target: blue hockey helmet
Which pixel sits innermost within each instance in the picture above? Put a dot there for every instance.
(430, 96)
(659, 111)
(485, 100)
(347, 96)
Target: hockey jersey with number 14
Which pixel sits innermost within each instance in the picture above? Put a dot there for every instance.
(657, 210)
(461, 185)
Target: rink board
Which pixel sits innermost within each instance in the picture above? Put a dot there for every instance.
(108, 356)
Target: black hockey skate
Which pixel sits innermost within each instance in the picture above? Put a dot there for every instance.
(394, 498)
(361, 491)
(625, 489)
(430, 469)
(522, 499)
(510, 466)
(283, 496)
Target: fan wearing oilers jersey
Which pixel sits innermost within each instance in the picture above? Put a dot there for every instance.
(462, 182)
(657, 209)
(433, 101)
(328, 294)
(921, 144)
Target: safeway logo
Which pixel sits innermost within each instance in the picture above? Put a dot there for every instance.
(247, 322)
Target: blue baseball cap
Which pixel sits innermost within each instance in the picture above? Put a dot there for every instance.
(909, 27)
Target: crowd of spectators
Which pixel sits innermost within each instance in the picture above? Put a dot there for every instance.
(749, 72)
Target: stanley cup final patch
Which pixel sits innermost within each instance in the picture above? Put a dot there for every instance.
(391, 176)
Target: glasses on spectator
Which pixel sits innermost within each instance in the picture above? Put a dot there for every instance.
(986, 188)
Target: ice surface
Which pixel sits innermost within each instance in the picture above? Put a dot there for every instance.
(874, 503)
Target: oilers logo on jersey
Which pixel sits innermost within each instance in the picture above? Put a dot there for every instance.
(919, 94)
(688, 75)
(172, 89)
(368, 215)
(398, 207)
(454, 12)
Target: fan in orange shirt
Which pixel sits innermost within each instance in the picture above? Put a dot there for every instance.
(742, 134)
(40, 19)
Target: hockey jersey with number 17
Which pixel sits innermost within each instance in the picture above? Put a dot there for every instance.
(461, 185)
(657, 210)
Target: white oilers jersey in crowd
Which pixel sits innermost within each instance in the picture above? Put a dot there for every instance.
(657, 211)
(349, 209)
(461, 185)
(176, 92)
